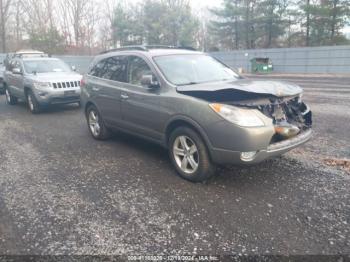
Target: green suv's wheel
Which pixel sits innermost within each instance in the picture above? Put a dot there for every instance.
(10, 99)
(189, 155)
(32, 102)
(96, 125)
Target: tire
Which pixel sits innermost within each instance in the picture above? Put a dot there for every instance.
(33, 104)
(193, 163)
(96, 125)
(10, 99)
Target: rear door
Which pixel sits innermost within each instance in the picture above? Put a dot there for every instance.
(105, 82)
(140, 104)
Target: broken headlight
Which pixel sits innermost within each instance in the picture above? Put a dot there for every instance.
(239, 116)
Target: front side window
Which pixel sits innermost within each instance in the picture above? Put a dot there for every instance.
(45, 66)
(137, 68)
(193, 69)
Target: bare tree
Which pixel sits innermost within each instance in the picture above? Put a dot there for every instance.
(64, 22)
(109, 14)
(4, 16)
(18, 22)
(91, 20)
(77, 10)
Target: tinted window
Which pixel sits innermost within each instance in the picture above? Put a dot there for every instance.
(113, 68)
(98, 68)
(10, 65)
(137, 68)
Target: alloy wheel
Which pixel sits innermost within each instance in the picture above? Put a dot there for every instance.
(30, 102)
(94, 123)
(8, 96)
(186, 154)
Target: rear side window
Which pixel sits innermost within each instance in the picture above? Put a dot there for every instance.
(113, 68)
(98, 68)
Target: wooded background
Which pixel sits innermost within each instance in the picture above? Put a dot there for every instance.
(89, 26)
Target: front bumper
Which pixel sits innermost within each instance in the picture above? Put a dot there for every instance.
(222, 156)
(55, 97)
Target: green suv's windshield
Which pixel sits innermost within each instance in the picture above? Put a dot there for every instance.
(45, 66)
(193, 69)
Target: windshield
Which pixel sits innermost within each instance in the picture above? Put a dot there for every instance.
(193, 69)
(45, 66)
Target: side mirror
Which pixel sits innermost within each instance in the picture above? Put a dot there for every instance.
(149, 81)
(17, 71)
(74, 68)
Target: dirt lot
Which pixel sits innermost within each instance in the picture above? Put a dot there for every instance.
(61, 192)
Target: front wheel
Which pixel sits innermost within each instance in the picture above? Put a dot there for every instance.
(32, 103)
(10, 99)
(189, 155)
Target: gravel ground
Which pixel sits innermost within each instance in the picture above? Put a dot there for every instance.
(61, 192)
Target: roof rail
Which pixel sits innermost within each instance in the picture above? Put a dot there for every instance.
(29, 55)
(125, 48)
(146, 48)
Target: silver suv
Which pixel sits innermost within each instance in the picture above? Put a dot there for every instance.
(195, 106)
(41, 81)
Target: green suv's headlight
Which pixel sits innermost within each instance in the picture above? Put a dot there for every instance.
(239, 116)
(41, 85)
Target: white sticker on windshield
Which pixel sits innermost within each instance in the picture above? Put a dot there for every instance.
(57, 70)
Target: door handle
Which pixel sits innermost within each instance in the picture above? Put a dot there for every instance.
(124, 96)
(95, 89)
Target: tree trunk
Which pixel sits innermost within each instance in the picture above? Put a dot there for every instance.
(307, 22)
(247, 23)
(2, 27)
(270, 24)
(236, 27)
(334, 17)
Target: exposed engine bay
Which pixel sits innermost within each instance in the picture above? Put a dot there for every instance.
(290, 115)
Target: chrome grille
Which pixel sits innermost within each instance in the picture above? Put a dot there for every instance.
(67, 84)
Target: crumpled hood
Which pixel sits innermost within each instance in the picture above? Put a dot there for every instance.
(275, 88)
(56, 77)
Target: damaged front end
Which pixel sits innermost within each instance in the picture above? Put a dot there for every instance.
(290, 115)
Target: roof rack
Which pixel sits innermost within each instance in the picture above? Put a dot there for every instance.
(30, 55)
(126, 48)
(147, 48)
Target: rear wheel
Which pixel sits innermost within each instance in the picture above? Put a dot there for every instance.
(189, 155)
(96, 125)
(10, 99)
(32, 103)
